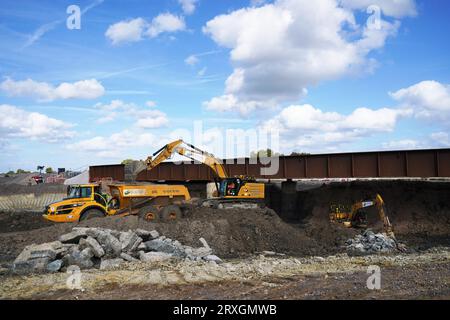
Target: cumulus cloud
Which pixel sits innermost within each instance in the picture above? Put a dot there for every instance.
(307, 127)
(191, 60)
(114, 145)
(42, 91)
(430, 100)
(126, 31)
(188, 6)
(19, 123)
(145, 118)
(229, 102)
(165, 22)
(280, 49)
(134, 30)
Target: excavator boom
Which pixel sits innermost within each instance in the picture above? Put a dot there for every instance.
(188, 150)
(235, 190)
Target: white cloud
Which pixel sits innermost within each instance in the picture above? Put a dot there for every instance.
(152, 119)
(165, 22)
(188, 6)
(191, 60)
(150, 104)
(404, 144)
(145, 118)
(430, 100)
(304, 126)
(126, 31)
(114, 146)
(229, 102)
(392, 8)
(42, 91)
(136, 29)
(440, 139)
(433, 140)
(280, 49)
(19, 123)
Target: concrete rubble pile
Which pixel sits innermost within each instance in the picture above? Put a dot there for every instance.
(107, 249)
(370, 242)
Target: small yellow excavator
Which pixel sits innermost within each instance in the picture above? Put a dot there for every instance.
(232, 192)
(354, 216)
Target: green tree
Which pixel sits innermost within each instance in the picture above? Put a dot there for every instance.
(22, 171)
(299, 153)
(49, 170)
(264, 153)
(127, 161)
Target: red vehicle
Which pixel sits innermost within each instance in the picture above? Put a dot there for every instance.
(38, 179)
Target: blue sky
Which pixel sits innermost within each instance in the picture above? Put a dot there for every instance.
(137, 74)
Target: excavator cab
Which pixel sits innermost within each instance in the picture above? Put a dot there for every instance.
(230, 187)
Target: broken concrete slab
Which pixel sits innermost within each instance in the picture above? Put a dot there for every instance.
(87, 253)
(55, 266)
(128, 257)
(32, 265)
(212, 258)
(204, 243)
(110, 244)
(36, 251)
(108, 264)
(154, 256)
(74, 236)
(130, 241)
(369, 242)
(201, 252)
(96, 248)
(80, 259)
(37, 254)
(147, 235)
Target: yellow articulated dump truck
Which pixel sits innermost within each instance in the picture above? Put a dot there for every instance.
(151, 202)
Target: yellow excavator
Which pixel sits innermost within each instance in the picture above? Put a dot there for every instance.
(354, 216)
(231, 192)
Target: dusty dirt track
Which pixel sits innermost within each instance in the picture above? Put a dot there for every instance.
(420, 213)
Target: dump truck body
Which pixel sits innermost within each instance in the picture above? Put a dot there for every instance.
(86, 201)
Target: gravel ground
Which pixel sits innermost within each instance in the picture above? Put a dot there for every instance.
(407, 276)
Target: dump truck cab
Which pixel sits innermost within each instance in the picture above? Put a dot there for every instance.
(81, 200)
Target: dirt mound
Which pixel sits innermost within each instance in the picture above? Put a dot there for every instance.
(231, 233)
(22, 221)
(14, 188)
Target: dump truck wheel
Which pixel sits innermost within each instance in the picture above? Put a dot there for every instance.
(149, 213)
(91, 213)
(170, 213)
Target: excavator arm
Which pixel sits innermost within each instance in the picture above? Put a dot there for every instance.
(187, 150)
(383, 216)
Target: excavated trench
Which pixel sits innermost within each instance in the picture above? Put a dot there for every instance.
(419, 212)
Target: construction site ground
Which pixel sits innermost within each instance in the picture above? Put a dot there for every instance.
(265, 257)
